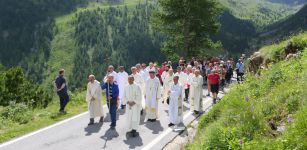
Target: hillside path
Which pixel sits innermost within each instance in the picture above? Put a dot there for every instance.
(75, 134)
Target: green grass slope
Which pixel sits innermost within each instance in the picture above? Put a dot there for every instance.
(265, 112)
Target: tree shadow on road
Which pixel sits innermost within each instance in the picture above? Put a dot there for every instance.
(133, 142)
(95, 128)
(154, 126)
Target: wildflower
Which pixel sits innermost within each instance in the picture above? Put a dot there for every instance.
(247, 98)
(241, 142)
(290, 119)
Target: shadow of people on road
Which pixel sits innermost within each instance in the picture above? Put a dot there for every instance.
(95, 128)
(154, 126)
(109, 135)
(133, 142)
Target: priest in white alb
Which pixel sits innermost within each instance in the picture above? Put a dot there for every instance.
(152, 96)
(133, 96)
(167, 82)
(122, 81)
(183, 77)
(138, 79)
(175, 103)
(196, 92)
(94, 98)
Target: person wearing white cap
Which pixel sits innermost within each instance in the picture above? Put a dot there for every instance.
(152, 96)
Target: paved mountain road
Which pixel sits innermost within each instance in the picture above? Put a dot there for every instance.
(74, 134)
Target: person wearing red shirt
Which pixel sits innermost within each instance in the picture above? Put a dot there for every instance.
(214, 80)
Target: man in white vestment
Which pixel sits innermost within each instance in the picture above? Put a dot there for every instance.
(168, 81)
(183, 77)
(122, 77)
(190, 75)
(196, 92)
(94, 98)
(111, 71)
(165, 73)
(152, 96)
(133, 97)
(175, 103)
(138, 79)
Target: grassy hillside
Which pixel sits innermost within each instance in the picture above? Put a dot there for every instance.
(265, 112)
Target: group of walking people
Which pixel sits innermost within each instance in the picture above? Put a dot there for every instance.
(141, 92)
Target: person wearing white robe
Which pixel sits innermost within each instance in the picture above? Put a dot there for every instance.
(138, 79)
(94, 98)
(196, 92)
(165, 73)
(176, 102)
(183, 77)
(190, 75)
(122, 77)
(133, 97)
(167, 84)
(111, 72)
(152, 96)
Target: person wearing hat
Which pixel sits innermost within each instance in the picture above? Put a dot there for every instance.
(214, 80)
(112, 93)
(152, 96)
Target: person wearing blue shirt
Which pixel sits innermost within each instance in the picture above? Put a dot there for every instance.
(240, 70)
(112, 93)
(61, 88)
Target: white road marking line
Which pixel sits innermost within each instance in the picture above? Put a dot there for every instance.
(161, 136)
(43, 129)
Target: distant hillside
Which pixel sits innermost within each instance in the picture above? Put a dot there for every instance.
(260, 12)
(291, 25)
(235, 34)
(289, 2)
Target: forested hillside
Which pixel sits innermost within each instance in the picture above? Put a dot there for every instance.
(115, 35)
(286, 27)
(84, 36)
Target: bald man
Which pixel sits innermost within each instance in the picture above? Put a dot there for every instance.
(94, 98)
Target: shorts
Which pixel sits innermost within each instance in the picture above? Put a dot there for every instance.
(214, 88)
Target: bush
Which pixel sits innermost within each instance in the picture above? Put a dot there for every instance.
(16, 88)
(17, 112)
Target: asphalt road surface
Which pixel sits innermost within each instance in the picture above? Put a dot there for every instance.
(75, 134)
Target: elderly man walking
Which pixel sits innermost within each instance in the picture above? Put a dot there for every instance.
(133, 96)
(112, 98)
(94, 98)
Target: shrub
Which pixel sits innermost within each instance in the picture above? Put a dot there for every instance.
(17, 112)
